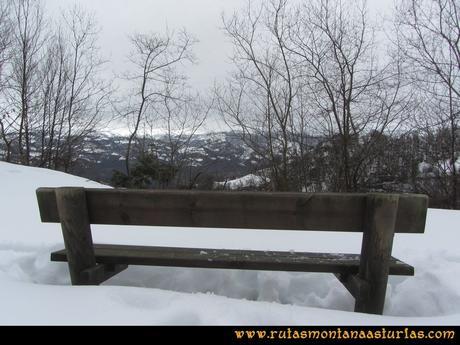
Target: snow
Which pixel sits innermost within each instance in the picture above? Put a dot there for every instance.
(250, 180)
(441, 167)
(36, 291)
(424, 167)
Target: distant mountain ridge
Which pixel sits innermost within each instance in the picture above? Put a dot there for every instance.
(222, 155)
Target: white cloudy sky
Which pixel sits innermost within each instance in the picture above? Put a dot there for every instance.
(202, 18)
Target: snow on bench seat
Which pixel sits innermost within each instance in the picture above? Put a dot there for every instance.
(232, 259)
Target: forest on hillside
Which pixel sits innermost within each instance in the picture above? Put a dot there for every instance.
(322, 97)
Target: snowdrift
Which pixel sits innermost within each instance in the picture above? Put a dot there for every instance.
(36, 291)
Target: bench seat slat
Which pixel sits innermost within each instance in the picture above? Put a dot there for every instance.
(232, 259)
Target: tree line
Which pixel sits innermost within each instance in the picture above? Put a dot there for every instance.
(326, 68)
(329, 97)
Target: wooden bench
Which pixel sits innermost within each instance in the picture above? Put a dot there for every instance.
(365, 275)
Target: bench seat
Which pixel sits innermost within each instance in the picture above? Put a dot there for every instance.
(377, 216)
(232, 259)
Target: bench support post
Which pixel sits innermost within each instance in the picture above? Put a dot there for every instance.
(100, 273)
(378, 232)
(76, 230)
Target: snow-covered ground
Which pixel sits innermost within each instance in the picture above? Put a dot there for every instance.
(246, 181)
(34, 290)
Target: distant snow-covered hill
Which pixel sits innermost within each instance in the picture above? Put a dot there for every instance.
(223, 155)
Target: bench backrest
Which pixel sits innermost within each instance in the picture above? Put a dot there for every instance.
(248, 210)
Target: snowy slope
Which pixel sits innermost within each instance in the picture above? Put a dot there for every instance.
(34, 290)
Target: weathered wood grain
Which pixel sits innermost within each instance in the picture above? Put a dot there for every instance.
(379, 222)
(355, 285)
(76, 230)
(378, 216)
(232, 259)
(248, 210)
(101, 272)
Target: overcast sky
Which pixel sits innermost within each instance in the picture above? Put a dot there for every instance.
(202, 18)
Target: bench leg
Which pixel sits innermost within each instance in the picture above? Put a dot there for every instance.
(76, 230)
(100, 273)
(378, 233)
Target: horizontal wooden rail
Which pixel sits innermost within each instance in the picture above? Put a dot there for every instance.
(249, 210)
(345, 264)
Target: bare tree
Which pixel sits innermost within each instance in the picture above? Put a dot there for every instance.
(179, 116)
(428, 37)
(88, 94)
(306, 69)
(23, 84)
(259, 99)
(5, 56)
(154, 58)
(351, 90)
(71, 96)
(54, 92)
(5, 37)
